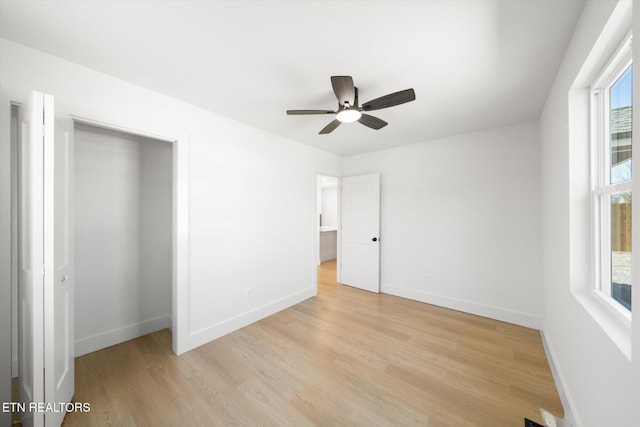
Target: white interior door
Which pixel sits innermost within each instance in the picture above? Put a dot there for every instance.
(45, 358)
(360, 232)
(31, 260)
(59, 277)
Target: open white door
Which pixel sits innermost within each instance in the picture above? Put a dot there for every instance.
(59, 277)
(31, 259)
(45, 359)
(360, 232)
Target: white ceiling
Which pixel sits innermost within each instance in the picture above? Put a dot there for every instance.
(474, 64)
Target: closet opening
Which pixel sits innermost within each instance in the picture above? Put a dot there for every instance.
(123, 232)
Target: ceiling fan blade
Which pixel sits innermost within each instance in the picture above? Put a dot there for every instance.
(372, 122)
(303, 112)
(344, 89)
(390, 100)
(330, 127)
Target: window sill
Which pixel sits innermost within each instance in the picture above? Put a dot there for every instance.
(615, 323)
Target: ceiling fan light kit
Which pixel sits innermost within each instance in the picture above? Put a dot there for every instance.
(348, 109)
(348, 115)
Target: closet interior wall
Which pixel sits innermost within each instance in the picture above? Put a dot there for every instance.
(123, 236)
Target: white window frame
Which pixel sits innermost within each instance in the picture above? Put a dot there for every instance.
(601, 188)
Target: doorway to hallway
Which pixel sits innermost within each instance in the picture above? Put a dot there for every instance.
(328, 208)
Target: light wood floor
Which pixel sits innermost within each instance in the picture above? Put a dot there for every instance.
(344, 358)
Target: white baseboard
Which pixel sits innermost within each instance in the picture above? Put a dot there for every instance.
(561, 383)
(213, 332)
(116, 336)
(497, 313)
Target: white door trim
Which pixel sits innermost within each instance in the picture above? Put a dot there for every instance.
(6, 298)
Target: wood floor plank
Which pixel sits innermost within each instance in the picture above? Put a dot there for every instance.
(344, 358)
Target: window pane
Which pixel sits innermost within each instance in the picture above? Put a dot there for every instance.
(621, 99)
(621, 248)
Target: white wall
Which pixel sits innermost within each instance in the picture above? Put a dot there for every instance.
(233, 173)
(465, 211)
(596, 377)
(156, 206)
(123, 243)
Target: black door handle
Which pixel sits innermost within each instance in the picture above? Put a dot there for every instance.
(375, 239)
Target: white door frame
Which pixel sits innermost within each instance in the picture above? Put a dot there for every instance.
(6, 298)
(180, 219)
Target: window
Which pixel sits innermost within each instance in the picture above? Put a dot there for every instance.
(611, 195)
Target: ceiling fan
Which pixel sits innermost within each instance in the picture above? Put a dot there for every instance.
(348, 108)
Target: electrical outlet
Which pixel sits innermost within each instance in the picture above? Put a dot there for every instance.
(248, 293)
